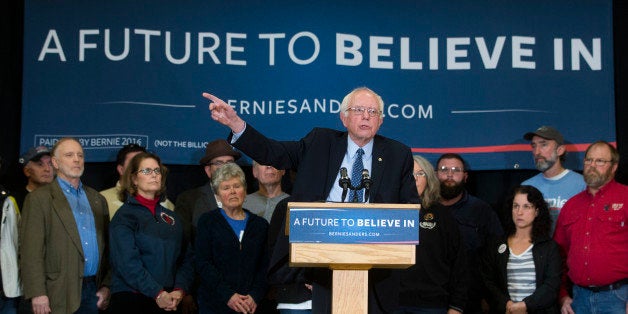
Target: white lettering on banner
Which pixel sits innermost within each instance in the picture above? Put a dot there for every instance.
(384, 52)
(350, 222)
(116, 141)
(408, 111)
(98, 141)
(490, 60)
(211, 50)
(519, 52)
(53, 39)
(379, 223)
(83, 44)
(186, 55)
(125, 49)
(579, 49)
(231, 48)
(271, 45)
(454, 54)
(282, 106)
(377, 51)
(147, 34)
(348, 52)
(323, 222)
(179, 143)
(317, 48)
(310, 106)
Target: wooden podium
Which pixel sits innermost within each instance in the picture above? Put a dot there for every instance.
(350, 262)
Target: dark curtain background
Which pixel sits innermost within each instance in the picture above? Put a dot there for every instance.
(488, 185)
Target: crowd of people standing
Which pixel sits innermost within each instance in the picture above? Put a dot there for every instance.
(128, 249)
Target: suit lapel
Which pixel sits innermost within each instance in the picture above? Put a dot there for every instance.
(337, 154)
(378, 161)
(63, 210)
(99, 222)
(209, 198)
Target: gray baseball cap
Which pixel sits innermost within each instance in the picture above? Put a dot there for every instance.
(546, 132)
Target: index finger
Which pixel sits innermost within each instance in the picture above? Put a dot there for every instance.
(212, 98)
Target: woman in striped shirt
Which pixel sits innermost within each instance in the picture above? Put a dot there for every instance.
(522, 271)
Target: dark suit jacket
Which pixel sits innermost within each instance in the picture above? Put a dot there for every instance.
(51, 254)
(317, 158)
(191, 204)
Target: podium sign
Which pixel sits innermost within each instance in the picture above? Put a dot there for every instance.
(348, 250)
(357, 225)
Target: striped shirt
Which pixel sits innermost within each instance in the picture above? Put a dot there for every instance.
(521, 275)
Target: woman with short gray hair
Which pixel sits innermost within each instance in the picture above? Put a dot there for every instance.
(231, 252)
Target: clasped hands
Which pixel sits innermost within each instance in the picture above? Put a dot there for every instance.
(516, 307)
(242, 303)
(169, 300)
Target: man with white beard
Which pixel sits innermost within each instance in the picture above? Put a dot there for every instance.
(592, 232)
(555, 182)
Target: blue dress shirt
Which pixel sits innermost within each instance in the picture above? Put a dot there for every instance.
(84, 218)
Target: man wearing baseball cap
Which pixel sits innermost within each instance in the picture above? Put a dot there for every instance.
(37, 167)
(191, 204)
(555, 182)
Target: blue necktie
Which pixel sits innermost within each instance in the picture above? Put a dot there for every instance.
(356, 174)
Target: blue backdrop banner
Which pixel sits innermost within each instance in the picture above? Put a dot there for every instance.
(468, 76)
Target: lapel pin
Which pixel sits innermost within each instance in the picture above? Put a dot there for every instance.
(502, 248)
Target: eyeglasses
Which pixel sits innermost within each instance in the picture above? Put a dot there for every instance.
(147, 171)
(358, 111)
(447, 170)
(524, 207)
(598, 162)
(220, 163)
(419, 174)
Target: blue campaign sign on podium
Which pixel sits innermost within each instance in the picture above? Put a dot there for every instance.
(353, 223)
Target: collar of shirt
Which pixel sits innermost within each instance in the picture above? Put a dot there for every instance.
(335, 194)
(603, 189)
(352, 149)
(66, 186)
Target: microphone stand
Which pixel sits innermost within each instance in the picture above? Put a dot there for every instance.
(346, 185)
(366, 183)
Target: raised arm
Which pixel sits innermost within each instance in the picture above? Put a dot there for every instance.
(224, 114)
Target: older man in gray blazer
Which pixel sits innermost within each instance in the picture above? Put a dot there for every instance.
(63, 248)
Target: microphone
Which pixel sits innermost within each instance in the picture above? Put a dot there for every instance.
(366, 183)
(344, 182)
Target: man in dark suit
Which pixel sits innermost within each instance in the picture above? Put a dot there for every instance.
(63, 240)
(318, 157)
